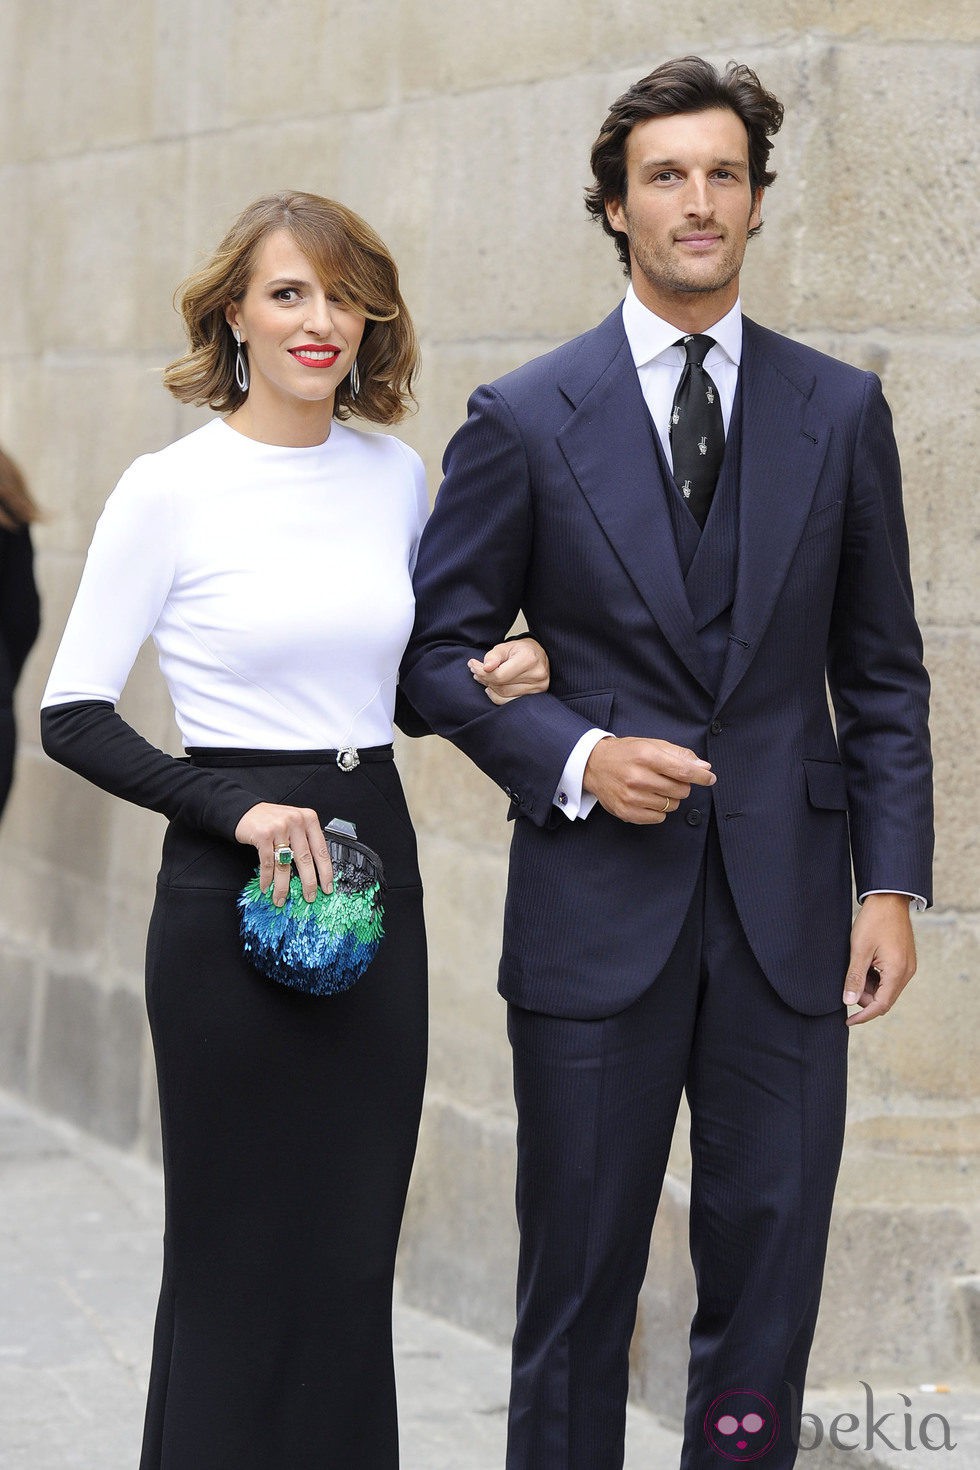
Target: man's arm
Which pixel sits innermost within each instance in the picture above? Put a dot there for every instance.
(880, 692)
(469, 587)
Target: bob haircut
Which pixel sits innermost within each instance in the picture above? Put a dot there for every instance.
(688, 84)
(350, 260)
(17, 508)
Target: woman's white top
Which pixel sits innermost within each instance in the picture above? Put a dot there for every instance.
(275, 583)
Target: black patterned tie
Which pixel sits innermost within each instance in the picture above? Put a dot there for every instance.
(697, 430)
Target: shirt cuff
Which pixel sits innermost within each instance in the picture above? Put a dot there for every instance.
(916, 902)
(570, 799)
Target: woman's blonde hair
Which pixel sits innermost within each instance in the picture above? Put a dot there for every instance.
(349, 258)
(17, 508)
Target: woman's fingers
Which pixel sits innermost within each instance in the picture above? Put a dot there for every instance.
(287, 837)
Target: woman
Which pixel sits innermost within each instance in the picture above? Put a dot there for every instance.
(269, 555)
(19, 607)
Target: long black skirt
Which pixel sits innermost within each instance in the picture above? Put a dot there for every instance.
(289, 1130)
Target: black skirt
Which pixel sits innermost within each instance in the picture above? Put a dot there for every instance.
(289, 1130)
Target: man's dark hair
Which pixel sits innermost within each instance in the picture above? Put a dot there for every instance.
(687, 84)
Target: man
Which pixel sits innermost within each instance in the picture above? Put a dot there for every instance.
(702, 522)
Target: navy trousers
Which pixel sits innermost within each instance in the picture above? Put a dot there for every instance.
(597, 1102)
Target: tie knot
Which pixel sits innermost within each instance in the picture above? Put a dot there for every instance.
(697, 348)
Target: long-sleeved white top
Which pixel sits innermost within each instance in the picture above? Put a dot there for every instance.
(275, 583)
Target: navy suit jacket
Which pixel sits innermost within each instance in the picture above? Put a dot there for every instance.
(553, 503)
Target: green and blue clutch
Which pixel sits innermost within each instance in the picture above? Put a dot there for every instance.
(322, 947)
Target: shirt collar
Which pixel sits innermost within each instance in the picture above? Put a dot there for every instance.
(649, 336)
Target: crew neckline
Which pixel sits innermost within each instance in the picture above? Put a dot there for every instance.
(260, 444)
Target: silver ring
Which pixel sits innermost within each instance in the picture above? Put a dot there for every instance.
(283, 854)
(667, 804)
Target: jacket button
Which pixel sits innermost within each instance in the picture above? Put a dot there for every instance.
(693, 818)
(716, 727)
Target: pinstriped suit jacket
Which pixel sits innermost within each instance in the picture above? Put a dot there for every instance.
(553, 503)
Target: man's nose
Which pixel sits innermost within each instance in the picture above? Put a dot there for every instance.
(696, 202)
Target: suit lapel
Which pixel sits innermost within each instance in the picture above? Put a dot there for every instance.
(784, 443)
(609, 448)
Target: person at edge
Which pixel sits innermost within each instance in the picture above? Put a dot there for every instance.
(20, 607)
(678, 914)
(269, 555)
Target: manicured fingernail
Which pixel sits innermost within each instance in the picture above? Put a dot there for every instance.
(850, 997)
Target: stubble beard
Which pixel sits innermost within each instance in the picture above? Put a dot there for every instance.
(666, 274)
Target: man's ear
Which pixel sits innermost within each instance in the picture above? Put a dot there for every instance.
(614, 214)
(755, 218)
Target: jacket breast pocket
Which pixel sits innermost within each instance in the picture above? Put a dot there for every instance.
(825, 785)
(824, 519)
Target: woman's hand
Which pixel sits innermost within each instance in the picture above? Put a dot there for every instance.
(512, 669)
(266, 827)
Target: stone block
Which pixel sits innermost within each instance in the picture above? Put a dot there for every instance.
(18, 1013)
(500, 210)
(659, 1350)
(625, 36)
(450, 372)
(453, 49)
(470, 1060)
(127, 245)
(888, 1305)
(89, 1063)
(873, 252)
(77, 77)
(470, 1057)
(149, 1143)
(953, 659)
(914, 1053)
(55, 821)
(936, 435)
(73, 471)
(458, 1253)
(130, 895)
(449, 795)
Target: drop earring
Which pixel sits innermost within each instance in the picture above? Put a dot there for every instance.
(241, 364)
(355, 380)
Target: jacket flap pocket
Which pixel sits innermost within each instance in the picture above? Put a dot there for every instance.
(825, 785)
(594, 705)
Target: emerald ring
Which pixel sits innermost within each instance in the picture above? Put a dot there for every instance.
(283, 855)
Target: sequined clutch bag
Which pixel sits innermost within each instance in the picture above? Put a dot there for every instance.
(322, 947)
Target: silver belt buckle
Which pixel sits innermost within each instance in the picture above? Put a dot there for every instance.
(348, 758)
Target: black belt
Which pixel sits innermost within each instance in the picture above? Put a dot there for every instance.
(347, 759)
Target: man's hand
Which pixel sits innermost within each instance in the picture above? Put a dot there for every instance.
(882, 956)
(512, 669)
(642, 781)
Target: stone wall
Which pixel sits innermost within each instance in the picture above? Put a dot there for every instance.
(130, 132)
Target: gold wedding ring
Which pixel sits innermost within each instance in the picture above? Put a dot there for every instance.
(666, 803)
